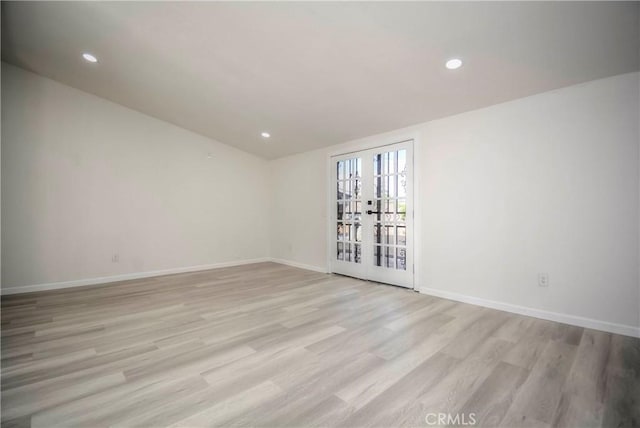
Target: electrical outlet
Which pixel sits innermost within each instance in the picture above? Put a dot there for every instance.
(543, 279)
(115, 258)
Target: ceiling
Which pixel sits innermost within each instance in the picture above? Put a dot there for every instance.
(316, 74)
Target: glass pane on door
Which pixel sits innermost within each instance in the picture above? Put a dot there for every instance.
(390, 209)
(349, 210)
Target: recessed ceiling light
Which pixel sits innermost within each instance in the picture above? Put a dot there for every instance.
(265, 135)
(89, 57)
(453, 63)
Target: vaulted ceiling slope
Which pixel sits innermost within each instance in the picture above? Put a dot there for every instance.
(316, 74)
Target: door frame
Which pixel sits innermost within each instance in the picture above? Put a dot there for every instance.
(367, 144)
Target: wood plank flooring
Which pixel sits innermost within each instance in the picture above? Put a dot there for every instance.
(268, 345)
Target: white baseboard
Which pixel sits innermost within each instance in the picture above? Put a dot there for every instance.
(125, 277)
(626, 330)
(299, 265)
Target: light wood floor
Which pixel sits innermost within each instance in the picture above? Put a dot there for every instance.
(272, 346)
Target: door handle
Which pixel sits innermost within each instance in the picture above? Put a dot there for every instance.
(373, 212)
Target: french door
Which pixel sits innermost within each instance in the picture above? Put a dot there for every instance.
(372, 215)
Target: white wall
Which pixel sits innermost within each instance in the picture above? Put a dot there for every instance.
(84, 178)
(548, 183)
(299, 209)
